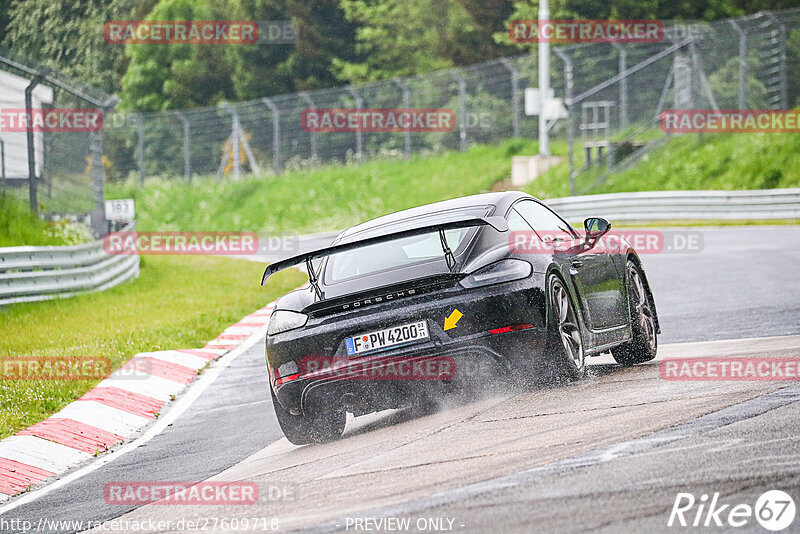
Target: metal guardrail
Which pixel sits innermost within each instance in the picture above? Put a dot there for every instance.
(39, 273)
(682, 205)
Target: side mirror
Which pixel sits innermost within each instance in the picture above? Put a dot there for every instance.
(596, 227)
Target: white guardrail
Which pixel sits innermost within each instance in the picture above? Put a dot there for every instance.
(682, 205)
(41, 273)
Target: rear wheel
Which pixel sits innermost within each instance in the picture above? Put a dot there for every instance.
(566, 343)
(323, 424)
(644, 345)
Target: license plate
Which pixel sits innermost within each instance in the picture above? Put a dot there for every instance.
(389, 337)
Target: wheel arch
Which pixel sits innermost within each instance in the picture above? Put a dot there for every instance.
(634, 257)
(571, 290)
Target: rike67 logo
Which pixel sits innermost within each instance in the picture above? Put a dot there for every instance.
(774, 510)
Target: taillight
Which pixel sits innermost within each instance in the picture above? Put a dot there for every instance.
(511, 328)
(288, 378)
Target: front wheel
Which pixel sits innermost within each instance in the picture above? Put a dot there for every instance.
(644, 345)
(323, 425)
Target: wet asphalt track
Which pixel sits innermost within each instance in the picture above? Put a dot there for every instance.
(742, 284)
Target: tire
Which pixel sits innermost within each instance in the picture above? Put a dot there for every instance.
(644, 344)
(321, 426)
(567, 358)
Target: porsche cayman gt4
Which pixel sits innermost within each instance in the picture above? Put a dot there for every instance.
(413, 302)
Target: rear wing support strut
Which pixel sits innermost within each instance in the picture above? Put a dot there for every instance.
(313, 278)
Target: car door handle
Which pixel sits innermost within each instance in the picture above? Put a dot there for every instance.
(576, 264)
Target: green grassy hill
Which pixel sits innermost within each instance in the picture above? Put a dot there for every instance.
(721, 161)
(320, 199)
(334, 197)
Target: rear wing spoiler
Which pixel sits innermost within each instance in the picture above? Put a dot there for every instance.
(498, 223)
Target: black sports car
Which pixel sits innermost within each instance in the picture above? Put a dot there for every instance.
(411, 302)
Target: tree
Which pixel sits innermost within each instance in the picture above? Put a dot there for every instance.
(68, 36)
(5, 16)
(407, 37)
(725, 85)
(175, 76)
(323, 33)
(706, 10)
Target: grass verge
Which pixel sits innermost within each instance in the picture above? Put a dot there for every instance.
(19, 227)
(338, 196)
(326, 198)
(689, 162)
(177, 302)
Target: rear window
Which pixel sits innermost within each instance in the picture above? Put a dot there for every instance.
(396, 254)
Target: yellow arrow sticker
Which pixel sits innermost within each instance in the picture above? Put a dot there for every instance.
(452, 319)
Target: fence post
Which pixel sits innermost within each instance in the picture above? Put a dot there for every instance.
(782, 68)
(462, 109)
(98, 215)
(313, 135)
(359, 133)
(623, 86)
(514, 94)
(187, 147)
(694, 81)
(570, 127)
(742, 64)
(276, 134)
(406, 92)
(235, 145)
(32, 200)
(140, 147)
(663, 97)
(701, 79)
(46, 149)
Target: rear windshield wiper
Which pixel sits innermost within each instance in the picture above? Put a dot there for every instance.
(449, 257)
